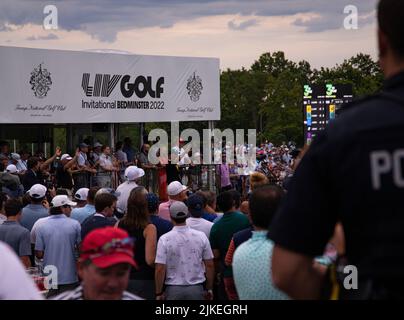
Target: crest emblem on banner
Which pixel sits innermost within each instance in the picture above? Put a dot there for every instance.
(40, 81)
(194, 87)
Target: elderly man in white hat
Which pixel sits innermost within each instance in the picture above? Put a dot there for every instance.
(176, 192)
(132, 175)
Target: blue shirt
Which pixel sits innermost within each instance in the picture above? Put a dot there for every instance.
(209, 216)
(31, 213)
(81, 214)
(252, 269)
(17, 237)
(130, 153)
(163, 226)
(58, 237)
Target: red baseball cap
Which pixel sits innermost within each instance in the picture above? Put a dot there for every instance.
(108, 246)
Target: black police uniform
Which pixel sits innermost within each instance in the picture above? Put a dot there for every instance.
(354, 173)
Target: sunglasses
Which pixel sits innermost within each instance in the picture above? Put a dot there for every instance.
(122, 245)
(66, 206)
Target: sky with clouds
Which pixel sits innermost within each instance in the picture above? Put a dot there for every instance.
(236, 31)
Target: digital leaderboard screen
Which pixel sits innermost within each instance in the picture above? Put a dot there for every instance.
(321, 104)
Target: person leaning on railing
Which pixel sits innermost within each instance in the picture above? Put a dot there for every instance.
(107, 168)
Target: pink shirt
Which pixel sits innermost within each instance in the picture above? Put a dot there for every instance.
(164, 212)
(224, 175)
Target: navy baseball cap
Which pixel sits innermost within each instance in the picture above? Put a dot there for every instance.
(195, 204)
(152, 202)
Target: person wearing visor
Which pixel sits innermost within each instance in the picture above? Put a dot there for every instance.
(105, 262)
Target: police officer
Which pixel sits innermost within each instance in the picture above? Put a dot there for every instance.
(354, 173)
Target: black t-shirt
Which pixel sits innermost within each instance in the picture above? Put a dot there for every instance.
(354, 173)
(63, 177)
(30, 178)
(173, 174)
(242, 236)
(95, 222)
(144, 271)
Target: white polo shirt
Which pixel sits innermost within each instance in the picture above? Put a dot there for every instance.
(82, 159)
(124, 189)
(15, 283)
(200, 224)
(106, 162)
(183, 251)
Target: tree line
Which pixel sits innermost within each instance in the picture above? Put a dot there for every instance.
(269, 95)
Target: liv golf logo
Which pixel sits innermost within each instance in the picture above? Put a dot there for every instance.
(40, 81)
(194, 87)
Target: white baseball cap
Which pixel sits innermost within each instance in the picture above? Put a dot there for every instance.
(133, 173)
(66, 156)
(11, 168)
(175, 188)
(62, 200)
(81, 194)
(97, 144)
(37, 191)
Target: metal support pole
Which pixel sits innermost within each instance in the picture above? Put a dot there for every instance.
(211, 171)
(69, 138)
(141, 128)
(111, 138)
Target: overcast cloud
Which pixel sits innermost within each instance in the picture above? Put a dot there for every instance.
(236, 31)
(103, 19)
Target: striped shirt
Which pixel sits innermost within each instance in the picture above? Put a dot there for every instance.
(77, 294)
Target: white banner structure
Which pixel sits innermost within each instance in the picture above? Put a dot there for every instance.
(53, 86)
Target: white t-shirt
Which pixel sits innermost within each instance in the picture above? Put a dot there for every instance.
(183, 251)
(124, 188)
(15, 283)
(106, 162)
(2, 218)
(184, 159)
(82, 159)
(200, 224)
